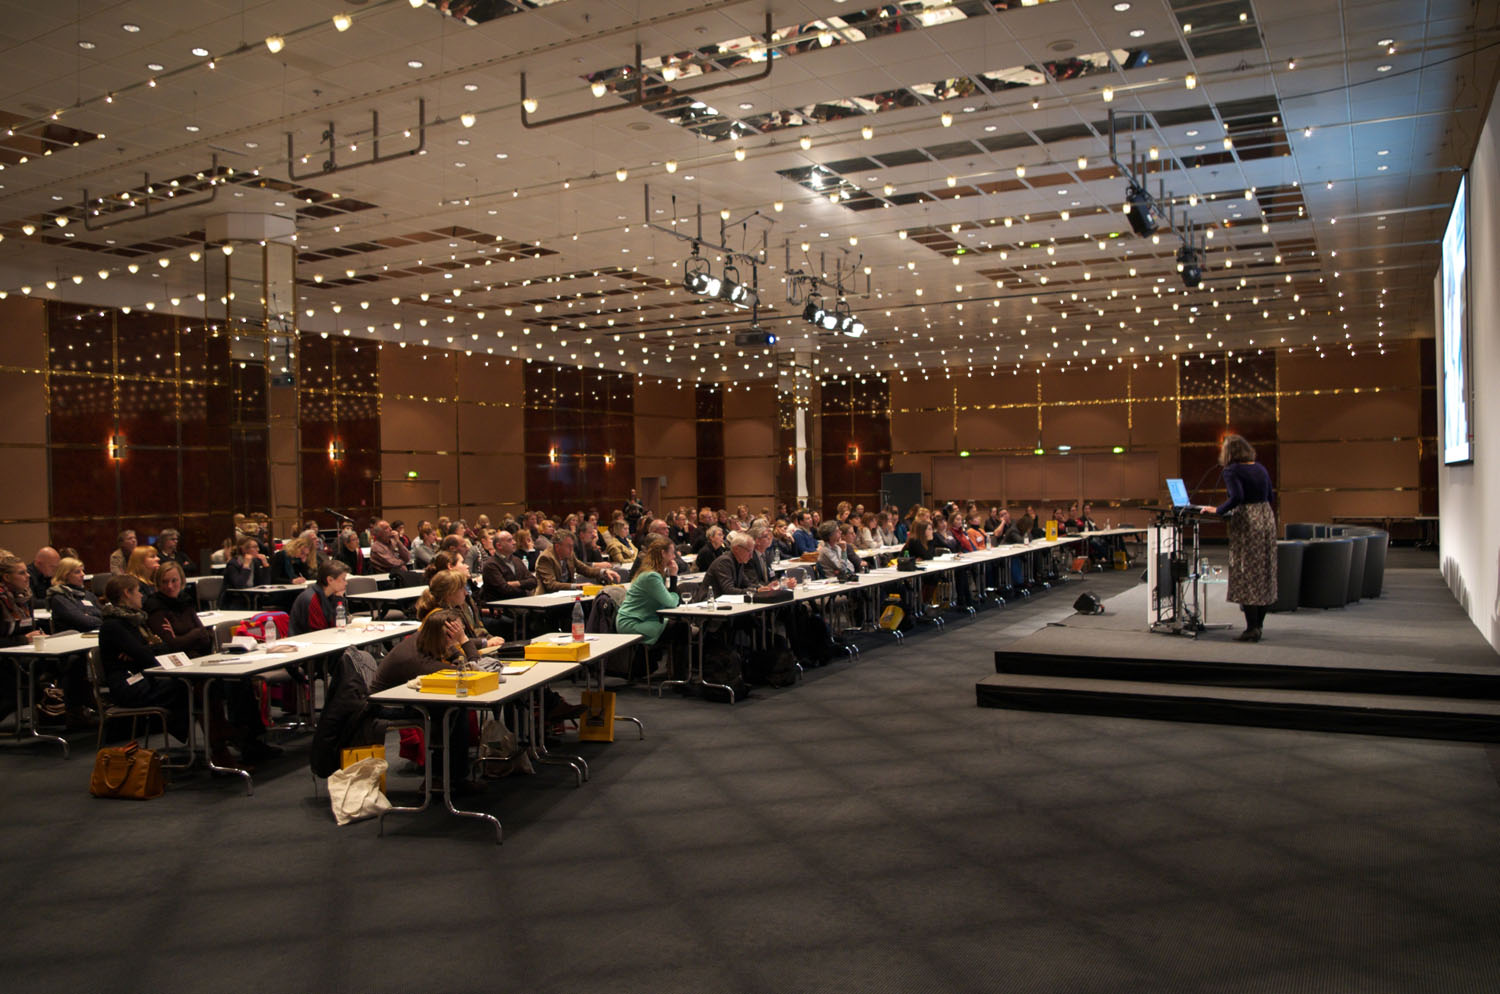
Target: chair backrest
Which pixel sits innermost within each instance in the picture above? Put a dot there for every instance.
(411, 578)
(96, 682)
(99, 582)
(362, 585)
(224, 631)
(208, 590)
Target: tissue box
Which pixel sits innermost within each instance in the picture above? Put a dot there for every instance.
(447, 681)
(558, 652)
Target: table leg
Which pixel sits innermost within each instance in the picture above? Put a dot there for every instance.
(539, 743)
(31, 735)
(426, 774)
(208, 757)
(448, 775)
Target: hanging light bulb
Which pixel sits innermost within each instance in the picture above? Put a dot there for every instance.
(598, 88)
(1020, 172)
(467, 119)
(61, 221)
(805, 142)
(739, 155)
(889, 189)
(1191, 81)
(622, 174)
(28, 229)
(1109, 94)
(947, 119)
(952, 181)
(341, 21)
(867, 132)
(669, 73)
(671, 165)
(275, 43)
(529, 105)
(1083, 162)
(227, 249)
(104, 274)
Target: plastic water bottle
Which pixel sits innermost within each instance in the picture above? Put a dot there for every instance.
(578, 619)
(271, 633)
(341, 616)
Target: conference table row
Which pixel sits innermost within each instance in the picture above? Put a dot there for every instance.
(523, 684)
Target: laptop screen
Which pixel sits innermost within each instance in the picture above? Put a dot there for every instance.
(1179, 493)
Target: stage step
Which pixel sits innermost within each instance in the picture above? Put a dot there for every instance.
(1342, 672)
(1320, 710)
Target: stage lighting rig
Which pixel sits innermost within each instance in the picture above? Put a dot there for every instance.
(1190, 265)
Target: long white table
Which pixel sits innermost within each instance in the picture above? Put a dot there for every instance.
(529, 683)
(310, 648)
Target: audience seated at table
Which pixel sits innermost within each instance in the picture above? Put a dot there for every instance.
(295, 562)
(449, 590)
(73, 605)
(831, 561)
(505, 574)
(347, 551)
(317, 606)
(648, 594)
(426, 545)
(43, 567)
(918, 543)
(387, 555)
(120, 558)
(588, 550)
(617, 544)
(248, 568)
(169, 549)
(16, 620)
(558, 569)
(734, 573)
(711, 548)
(128, 647)
(439, 644)
(172, 614)
(804, 538)
(142, 565)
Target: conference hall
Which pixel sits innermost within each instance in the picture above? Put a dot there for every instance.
(787, 495)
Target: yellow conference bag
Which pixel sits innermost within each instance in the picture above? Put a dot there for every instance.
(597, 723)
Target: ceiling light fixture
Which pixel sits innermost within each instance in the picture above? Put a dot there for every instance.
(529, 105)
(598, 88)
(671, 165)
(1191, 81)
(467, 119)
(947, 119)
(805, 142)
(341, 21)
(275, 43)
(1109, 94)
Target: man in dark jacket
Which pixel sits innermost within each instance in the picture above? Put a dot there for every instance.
(316, 608)
(43, 565)
(504, 574)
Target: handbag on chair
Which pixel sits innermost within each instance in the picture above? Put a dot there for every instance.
(127, 772)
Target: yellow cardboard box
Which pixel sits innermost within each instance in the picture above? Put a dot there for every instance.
(447, 681)
(558, 652)
(592, 589)
(348, 757)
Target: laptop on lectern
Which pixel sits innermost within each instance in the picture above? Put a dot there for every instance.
(1179, 493)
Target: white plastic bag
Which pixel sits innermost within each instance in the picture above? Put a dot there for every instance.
(355, 791)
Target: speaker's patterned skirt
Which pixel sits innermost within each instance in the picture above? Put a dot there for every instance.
(1252, 554)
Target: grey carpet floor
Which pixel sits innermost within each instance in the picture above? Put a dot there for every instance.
(869, 830)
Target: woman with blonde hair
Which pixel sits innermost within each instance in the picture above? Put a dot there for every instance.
(448, 590)
(142, 565)
(648, 594)
(72, 604)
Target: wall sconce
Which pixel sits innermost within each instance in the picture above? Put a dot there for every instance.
(791, 459)
(116, 447)
(609, 458)
(851, 454)
(335, 451)
(552, 455)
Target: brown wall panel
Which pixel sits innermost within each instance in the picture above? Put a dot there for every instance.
(438, 473)
(1089, 384)
(1389, 414)
(922, 432)
(414, 425)
(1001, 387)
(1126, 476)
(1002, 428)
(1150, 381)
(959, 479)
(1085, 426)
(492, 479)
(753, 402)
(1153, 423)
(23, 408)
(27, 331)
(489, 428)
(749, 437)
(918, 393)
(1348, 464)
(1303, 370)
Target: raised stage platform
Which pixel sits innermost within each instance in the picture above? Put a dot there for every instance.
(1408, 663)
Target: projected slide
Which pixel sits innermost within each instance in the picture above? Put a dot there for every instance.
(1458, 440)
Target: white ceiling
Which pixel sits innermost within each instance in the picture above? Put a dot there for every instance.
(1374, 173)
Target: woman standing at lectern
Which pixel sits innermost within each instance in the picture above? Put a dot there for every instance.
(1252, 533)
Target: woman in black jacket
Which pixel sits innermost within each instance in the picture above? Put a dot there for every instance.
(72, 604)
(128, 647)
(918, 544)
(248, 568)
(172, 613)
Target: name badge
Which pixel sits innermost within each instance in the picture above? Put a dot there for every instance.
(172, 660)
(133, 679)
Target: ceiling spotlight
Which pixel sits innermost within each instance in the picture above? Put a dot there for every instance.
(275, 43)
(1083, 161)
(227, 249)
(671, 165)
(529, 105)
(778, 207)
(60, 221)
(415, 4)
(888, 189)
(1035, 103)
(467, 119)
(622, 174)
(1020, 172)
(867, 132)
(901, 234)
(739, 155)
(1109, 94)
(598, 88)
(104, 274)
(341, 21)
(669, 73)
(947, 119)
(952, 181)
(805, 142)
(1191, 81)
(1228, 142)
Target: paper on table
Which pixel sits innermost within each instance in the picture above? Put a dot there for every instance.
(172, 660)
(514, 668)
(562, 638)
(731, 598)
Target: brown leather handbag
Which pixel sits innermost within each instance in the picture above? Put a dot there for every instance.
(127, 772)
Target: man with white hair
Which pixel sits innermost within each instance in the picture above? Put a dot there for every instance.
(734, 573)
